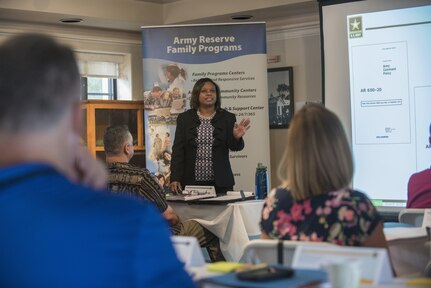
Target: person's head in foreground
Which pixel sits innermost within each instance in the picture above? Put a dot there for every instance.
(58, 230)
(39, 102)
(315, 202)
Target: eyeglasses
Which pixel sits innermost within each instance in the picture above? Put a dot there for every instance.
(208, 91)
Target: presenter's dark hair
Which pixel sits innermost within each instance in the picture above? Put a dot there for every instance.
(194, 101)
(317, 159)
(114, 139)
(39, 80)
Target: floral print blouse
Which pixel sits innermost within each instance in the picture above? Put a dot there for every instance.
(344, 217)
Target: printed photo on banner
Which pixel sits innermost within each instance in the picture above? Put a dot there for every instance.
(280, 97)
(163, 102)
(169, 91)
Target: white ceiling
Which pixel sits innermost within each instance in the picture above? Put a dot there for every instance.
(130, 15)
(159, 1)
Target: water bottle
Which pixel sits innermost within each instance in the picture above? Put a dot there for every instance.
(261, 181)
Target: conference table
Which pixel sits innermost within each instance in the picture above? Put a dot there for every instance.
(199, 275)
(233, 223)
(236, 223)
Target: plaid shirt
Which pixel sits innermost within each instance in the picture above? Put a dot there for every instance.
(135, 181)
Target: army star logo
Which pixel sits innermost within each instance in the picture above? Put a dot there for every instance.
(355, 27)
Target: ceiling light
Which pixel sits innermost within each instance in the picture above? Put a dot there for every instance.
(241, 17)
(71, 20)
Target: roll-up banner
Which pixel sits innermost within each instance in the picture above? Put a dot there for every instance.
(234, 56)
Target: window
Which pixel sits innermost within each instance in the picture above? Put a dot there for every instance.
(99, 75)
(99, 88)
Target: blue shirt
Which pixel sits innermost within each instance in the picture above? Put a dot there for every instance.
(55, 233)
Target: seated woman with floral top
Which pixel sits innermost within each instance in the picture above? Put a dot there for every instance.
(315, 202)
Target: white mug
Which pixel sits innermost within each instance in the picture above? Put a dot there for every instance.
(346, 274)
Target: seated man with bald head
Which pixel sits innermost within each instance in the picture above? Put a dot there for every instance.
(125, 178)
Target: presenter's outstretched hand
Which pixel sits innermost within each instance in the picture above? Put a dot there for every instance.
(176, 187)
(240, 129)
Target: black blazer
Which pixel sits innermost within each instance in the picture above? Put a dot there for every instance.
(185, 147)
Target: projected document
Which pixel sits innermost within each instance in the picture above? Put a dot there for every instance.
(380, 87)
(390, 86)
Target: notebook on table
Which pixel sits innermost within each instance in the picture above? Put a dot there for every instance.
(193, 193)
(210, 198)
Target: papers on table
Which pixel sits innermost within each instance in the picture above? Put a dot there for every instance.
(232, 196)
(193, 194)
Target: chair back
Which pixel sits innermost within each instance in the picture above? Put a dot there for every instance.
(411, 216)
(375, 265)
(188, 250)
(266, 251)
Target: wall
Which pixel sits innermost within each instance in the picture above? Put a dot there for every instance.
(299, 47)
(92, 40)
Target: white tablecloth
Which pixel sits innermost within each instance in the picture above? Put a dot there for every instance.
(233, 223)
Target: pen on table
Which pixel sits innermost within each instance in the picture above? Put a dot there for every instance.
(311, 284)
